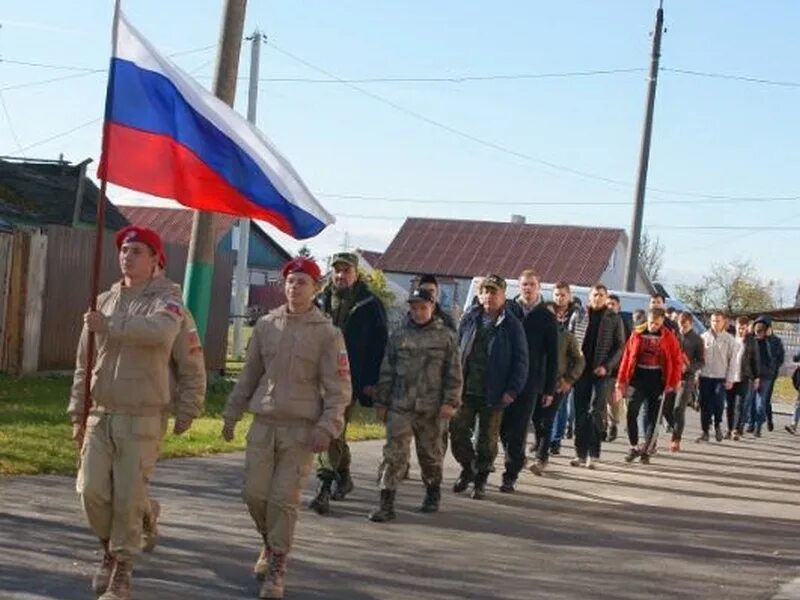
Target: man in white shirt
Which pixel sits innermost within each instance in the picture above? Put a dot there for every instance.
(717, 375)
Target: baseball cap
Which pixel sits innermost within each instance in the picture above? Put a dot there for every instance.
(420, 295)
(301, 264)
(348, 258)
(493, 281)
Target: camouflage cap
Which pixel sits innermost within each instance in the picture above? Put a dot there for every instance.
(493, 281)
(348, 258)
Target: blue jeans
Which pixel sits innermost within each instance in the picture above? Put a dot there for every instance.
(565, 415)
(760, 396)
(796, 411)
(712, 402)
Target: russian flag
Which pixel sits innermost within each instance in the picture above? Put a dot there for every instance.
(165, 135)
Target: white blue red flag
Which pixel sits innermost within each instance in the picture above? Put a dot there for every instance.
(166, 135)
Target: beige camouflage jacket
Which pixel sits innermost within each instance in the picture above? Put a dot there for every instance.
(296, 371)
(187, 372)
(131, 366)
(421, 369)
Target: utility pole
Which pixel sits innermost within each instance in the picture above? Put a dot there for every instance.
(242, 276)
(632, 263)
(200, 263)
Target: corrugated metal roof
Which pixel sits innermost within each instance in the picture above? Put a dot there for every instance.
(459, 248)
(174, 225)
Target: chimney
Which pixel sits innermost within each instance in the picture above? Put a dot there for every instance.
(518, 219)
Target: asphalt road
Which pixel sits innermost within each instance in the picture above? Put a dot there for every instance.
(715, 521)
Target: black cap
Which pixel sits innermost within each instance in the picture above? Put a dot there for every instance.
(420, 295)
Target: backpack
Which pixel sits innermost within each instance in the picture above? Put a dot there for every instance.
(796, 379)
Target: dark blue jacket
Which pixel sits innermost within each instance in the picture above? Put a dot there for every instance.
(507, 370)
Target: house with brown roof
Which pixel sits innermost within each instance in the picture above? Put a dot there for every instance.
(457, 250)
(265, 255)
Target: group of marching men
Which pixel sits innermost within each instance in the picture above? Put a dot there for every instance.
(508, 363)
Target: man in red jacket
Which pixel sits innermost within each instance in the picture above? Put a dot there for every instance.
(651, 364)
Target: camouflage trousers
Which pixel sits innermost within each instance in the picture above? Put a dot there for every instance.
(426, 429)
(335, 463)
(480, 457)
(118, 456)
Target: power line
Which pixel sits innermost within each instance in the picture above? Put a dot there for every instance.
(47, 65)
(743, 78)
(62, 134)
(11, 124)
(714, 200)
(455, 79)
(19, 86)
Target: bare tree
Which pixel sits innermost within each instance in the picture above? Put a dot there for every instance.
(734, 288)
(651, 256)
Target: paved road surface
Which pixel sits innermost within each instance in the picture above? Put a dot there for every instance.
(716, 521)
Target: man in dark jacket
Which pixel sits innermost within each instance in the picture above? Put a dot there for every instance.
(694, 359)
(536, 401)
(771, 355)
(494, 360)
(602, 347)
(778, 353)
(361, 317)
(746, 379)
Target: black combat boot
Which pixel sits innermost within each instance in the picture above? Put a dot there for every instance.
(386, 510)
(321, 503)
(479, 487)
(433, 494)
(463, 481)
(344, 485)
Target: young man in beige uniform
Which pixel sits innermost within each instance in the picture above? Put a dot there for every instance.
(187, 367)
(135, 326)
(296, 381)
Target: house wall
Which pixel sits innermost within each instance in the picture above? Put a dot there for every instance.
(614, 276)
(453, 291)
(261, 254)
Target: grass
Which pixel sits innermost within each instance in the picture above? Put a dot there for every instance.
(35, 431)
(784, 390)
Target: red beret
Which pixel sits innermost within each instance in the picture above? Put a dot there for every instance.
(146, 236)
(302, 264)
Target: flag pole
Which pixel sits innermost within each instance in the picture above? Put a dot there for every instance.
(100, 227)
(200, 262)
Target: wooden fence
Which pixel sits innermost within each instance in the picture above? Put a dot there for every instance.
(48, 290)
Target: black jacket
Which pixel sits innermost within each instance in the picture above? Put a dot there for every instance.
(751, 361)
(541, 333)
(694, 351)
(609, 345)
(365, 337)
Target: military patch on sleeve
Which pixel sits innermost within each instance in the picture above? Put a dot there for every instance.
(194, 342)
(343, 365)
(174, 307)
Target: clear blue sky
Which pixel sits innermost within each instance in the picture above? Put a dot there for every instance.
(711, 136)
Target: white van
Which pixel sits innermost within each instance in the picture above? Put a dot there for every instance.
(629, 301)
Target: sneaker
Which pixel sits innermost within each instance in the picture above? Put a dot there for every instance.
(612, 433)
(792, 429)
(718, 433)
(737, 436)
(538, 466)
(507, 487)
(750, 429)
(770, 425)
(644, 458)
(728, 435)
(555, 448)
(675, 446)
(758, 431)
(569, 432)
(576, 462)
(632, 455)
(479, 490)
(703, 438)
(591, 463)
